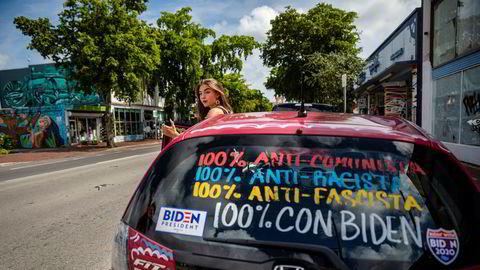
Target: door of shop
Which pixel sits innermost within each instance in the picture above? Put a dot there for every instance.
(73, 133)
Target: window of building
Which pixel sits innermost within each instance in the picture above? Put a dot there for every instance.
(457, 107)
(455, 29)
(468, 26)
(444, 14)
(127, 122)
(470, 113)
(447, 108)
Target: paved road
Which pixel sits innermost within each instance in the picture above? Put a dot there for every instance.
(35, 168)
(65, 218)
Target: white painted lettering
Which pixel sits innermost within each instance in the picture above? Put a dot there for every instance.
(350, 223)
(327, 227)
(308, 225)
(279, 217)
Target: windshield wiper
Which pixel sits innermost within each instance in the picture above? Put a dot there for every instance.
(327, 252)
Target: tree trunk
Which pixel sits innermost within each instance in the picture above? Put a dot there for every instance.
(109, 120)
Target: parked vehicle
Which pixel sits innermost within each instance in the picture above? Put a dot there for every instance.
(326, 191)
(313, 107)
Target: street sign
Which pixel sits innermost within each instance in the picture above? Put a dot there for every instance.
(344, 80)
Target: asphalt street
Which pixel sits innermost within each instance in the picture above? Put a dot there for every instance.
(40, 167)
(62, 215)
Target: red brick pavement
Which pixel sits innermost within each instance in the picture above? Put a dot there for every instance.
(26, 155)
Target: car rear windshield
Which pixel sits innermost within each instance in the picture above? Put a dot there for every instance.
(367, 199)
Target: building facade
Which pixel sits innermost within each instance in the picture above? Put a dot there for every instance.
(40, 107)
(389, 83)
(451, 75)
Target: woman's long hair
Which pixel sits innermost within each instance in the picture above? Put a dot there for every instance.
(202, 111)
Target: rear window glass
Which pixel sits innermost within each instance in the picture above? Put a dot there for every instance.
(364, 198)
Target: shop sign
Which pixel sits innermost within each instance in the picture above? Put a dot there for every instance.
(396, 54)
(89, 108)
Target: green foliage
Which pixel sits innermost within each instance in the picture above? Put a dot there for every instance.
(109, 48)
(186, 58)
(6, 143)
(324, 73)
(242, 98)
(103, 42)
(293, 41)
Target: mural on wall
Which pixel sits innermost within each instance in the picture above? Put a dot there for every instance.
(43, 88)
(34, 129)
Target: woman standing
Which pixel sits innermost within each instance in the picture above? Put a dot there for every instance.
(211, 101)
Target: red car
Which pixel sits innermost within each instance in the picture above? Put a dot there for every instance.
(282, 192)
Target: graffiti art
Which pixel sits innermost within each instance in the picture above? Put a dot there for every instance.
(45, 88)
(36, 130)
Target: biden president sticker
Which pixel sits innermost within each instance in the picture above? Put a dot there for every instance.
(443, 244)
(181, 221)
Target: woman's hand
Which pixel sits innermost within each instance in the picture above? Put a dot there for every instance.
(170, 131)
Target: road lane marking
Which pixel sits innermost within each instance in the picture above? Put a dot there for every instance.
(46, 163)
(30, 166)
(118, 159)
(78, 167)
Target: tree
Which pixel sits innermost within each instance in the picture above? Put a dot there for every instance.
(186, 58)
(104, 43)
(324, 73)
(241, 97)
(295, 37)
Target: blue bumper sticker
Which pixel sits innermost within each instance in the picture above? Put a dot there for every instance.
(443, 244)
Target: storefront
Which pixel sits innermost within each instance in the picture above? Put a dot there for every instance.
(128, 124)
(85, 124)
(389, 84)
(42, 98)
(454, 64)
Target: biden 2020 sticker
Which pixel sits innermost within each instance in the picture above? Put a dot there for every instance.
(443, 244)
(181, 221)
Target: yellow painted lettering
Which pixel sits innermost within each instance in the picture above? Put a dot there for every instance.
(255, 194)
(411, 202)
(333, 195)
(360, 195)
(396, 200)
(287, 193)
(318, 196)
(271, 194)
(347, 195)
(381, 195)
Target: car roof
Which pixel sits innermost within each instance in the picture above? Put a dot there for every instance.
(296, 106)
(287, 104)
(315, 123)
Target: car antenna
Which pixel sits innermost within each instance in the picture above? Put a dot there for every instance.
(302, 112)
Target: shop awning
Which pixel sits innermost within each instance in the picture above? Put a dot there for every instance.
(396, 70)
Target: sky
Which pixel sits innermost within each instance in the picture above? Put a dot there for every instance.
(377, 19)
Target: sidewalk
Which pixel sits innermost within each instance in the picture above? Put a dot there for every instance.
(27, 155)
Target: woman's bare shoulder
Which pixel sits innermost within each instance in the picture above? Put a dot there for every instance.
(214, 111)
